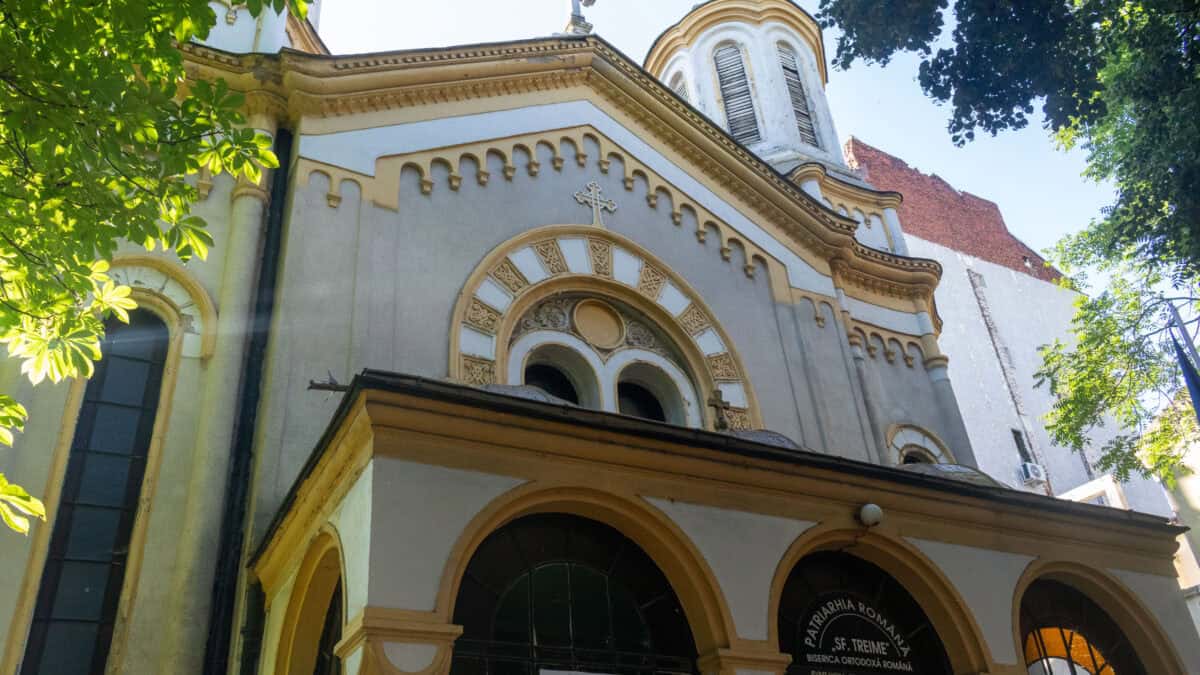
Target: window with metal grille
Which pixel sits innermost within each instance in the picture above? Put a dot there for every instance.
(89, 545)
(735, 92)
(795, 86)
(679, 86)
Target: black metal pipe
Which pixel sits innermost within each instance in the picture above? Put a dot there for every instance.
(241, 464)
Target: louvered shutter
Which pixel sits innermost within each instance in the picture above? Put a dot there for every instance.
(795, 86)
(735, 90)
(679, 86)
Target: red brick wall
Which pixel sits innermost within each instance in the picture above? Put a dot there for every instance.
(934, 211)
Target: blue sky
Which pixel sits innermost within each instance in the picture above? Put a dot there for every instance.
(1039, 189)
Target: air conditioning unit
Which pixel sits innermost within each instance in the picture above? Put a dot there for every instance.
(1033, 474)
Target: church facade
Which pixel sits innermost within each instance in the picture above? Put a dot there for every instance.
(533, 359)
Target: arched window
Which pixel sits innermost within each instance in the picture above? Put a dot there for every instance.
(559, 592)
(637, 401)
(796, 93)
(605, 355)
(680, 87)
(1064, 632)
(916, 455)
(563, 373)
(736, 94)
(85, 566)
(841, 613)
(552, 381)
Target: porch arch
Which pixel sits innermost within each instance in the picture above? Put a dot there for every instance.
(1150, 643)
(667, 546)
(318, 578)
(934, 593)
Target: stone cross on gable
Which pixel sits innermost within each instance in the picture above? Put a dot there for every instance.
(720, 410)
(590, 196)
(579, 25)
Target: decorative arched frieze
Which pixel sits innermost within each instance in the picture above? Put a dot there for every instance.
(197, 315)
(904, 438)
(892, 346)
(519, 153)
(561, 259)
(941, 602)
(1139, 625)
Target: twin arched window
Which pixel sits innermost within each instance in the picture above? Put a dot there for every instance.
(604, 356)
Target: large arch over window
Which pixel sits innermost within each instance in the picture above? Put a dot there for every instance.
(490, 336)
(169, 293)
(690, 578)
(839, 611)
(561, 592)
(1065, 612)
(935, 596)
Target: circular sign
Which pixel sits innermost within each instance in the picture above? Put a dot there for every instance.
(845, 635)
(599, 324)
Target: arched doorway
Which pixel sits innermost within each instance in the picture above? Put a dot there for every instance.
(1064, 632)
(557, 592)
(839, 613)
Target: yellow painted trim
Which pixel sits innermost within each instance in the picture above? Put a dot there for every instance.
(683, 565)
(1155, 650)
(195, 290)
(950, 615)
(602, 286)
(355, 92)
(27, 598)
(756, 12)
(318, 574)
(944, 449)
(374, 627)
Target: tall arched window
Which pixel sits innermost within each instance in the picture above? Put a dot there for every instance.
(1065, 633)
(735, 92)
(563, 593)
(85, 566)
(797, 95)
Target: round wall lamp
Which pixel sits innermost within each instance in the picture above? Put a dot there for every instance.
(870, 515)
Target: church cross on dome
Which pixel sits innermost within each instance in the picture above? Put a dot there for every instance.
(578, 25)
(591, 196)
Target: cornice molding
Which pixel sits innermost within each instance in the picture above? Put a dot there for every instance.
(325, 86)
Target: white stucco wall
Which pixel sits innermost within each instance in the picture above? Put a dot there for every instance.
(409, 554)
(726, 539)
(1028, 313)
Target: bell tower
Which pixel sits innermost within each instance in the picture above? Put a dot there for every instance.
(239, 32)
(757, 68)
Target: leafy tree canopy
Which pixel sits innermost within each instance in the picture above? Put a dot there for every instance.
(99, 130)
(1120, 79)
